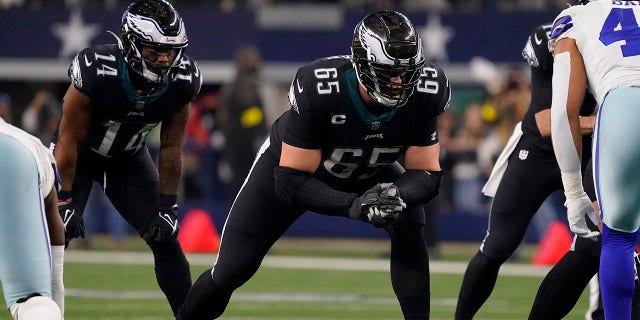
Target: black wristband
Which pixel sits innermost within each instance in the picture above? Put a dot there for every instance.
(64, 195)
(168, 200)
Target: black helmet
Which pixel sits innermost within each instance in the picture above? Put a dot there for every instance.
(153, 23)
(386, 46)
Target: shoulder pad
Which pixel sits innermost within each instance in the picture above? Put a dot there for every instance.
(91, 64)
(187, 78)
(434, 88)
(307, 88)
(536, 49)
(562, 24)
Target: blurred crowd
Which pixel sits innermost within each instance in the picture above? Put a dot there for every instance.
(407, 5)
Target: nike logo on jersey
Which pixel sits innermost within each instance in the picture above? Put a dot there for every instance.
(538, 41)
(86, 61)
(300, 89)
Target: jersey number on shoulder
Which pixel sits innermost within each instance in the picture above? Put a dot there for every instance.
(328, 80)
(621, 24)
(344, 161)
(428, 81)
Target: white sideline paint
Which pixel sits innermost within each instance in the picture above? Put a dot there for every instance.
(290, 262)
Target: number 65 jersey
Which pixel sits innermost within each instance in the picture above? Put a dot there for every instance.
(328, 113)
(613, 59)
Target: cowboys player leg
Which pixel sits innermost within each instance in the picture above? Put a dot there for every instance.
(410, 263)
(565, 282)
(616, 154)
(25, 270)
(257, 219)
(132, 186)
(523, 188)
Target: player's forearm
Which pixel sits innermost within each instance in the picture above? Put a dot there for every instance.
(66, 155)
(565, 123)
(299, 188)
(54, 222)
(170, 169)
(586, 124)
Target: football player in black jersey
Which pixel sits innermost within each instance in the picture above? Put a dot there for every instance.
(335, 152)
(531, 175)
(118, 94)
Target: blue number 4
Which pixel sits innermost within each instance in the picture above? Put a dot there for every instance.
(620, 25)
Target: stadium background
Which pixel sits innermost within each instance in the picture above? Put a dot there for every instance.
(475, 47)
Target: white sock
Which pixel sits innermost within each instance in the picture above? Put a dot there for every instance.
(36, 308)
(57, 284)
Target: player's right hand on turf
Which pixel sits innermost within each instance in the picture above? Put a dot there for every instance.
(71, 217)
(578, 211)
(379, 205)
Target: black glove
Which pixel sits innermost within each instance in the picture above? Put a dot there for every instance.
(165, 226)
(378, 206)
(71, 217)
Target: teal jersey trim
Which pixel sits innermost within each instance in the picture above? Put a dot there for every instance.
(132, 94)
(364, 113)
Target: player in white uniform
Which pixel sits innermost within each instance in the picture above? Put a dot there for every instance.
(31, 230)
(598, 45)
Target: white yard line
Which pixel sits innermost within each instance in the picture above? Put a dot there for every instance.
(291, 262)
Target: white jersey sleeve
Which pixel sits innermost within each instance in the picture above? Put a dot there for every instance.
(42, 155)
(605, 33)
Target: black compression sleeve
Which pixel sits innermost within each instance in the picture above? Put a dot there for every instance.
(418, 186)
(299, 188)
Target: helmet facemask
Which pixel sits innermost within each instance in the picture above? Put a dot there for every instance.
(387, 55)
(156, 25)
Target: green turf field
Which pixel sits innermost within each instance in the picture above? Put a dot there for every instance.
(284, 289)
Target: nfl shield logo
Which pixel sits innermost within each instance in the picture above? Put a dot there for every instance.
(375, 125)
(523, 154)
(139, 105)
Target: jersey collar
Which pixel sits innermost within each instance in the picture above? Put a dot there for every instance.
(364, 113)
(130, 91)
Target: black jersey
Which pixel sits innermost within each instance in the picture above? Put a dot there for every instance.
(536, 53)
(328, 113)
(121, 118)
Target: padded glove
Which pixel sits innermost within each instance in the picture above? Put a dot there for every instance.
(578, 210)
(378, 206)
(164, 226)
(71, 217)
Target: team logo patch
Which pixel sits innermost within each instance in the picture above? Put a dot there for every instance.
(523, 154)
(74, 72)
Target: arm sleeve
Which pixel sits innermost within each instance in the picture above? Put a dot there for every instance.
(299, 188)
(418, 186)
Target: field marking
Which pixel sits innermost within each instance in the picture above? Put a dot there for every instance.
(252, 297)
(290, 262)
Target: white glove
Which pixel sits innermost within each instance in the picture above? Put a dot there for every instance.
(578, 209)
